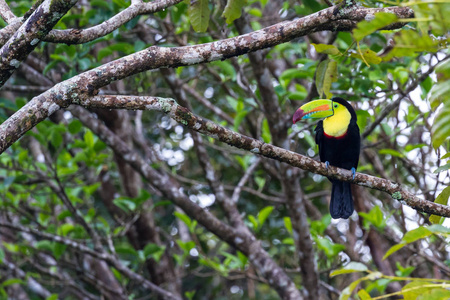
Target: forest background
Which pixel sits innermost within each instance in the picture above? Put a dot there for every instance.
(148, 152)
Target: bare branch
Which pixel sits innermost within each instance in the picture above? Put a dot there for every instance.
(6, 13)
(32, 284)
(110, 259)
(244, 179)
(241, 240)
(185, 117)
(30, 34)
(87, 83)
(76, 36)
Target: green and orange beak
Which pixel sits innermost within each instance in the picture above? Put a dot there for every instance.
(321, 108)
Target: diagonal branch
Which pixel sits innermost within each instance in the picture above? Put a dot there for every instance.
(87, 83)
(104, 256)
(242, 240)
(5, 12)
(76, 36)
(27, 37)
(185, 117)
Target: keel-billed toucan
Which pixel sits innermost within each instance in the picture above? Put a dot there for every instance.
(339, 144)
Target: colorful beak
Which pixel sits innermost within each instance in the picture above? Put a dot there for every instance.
(315, 109)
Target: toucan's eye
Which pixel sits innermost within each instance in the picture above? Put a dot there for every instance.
(335, 105)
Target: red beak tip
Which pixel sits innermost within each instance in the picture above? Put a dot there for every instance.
(298, 115)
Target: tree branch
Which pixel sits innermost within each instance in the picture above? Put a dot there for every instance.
(5, 12)
(76, 36)
(87, 83)
(240, 239)
(110, 259)
(185, 117)
(30, 34)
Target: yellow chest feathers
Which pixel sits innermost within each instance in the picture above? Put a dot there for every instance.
(337, 124)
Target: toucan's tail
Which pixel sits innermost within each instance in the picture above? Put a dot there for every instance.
(341, 205)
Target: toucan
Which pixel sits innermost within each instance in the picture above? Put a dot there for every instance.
(339, 144)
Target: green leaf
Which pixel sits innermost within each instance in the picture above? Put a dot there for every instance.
(52, 297)
(442, 198)
(363, 117)
(403, 272)
(297, 96)
(442, 168)
(393, 249)
(153, 251)
(380, 20)
(56, 138)
(351, 267)
(440, 91)
(411, 147)
(125, 204)
(368, 56)
(264, 214)
(439, 293)
(89, 139)
(189, 294)
(265, 134)
(439, 229)
(58, 250)
(391, 152)
(75, 126)
(325, 76)
(347, 292)
(233, 10)
(375, 217)
(12, 247)
(126, 249)
(84, 63)
(416, 234)
(186, 220)
(329, 248)
(288, 241)
(446, 155)
(364, 295)
(243, 259)
(62, 58)
(52, 64)
(288, 224)
(12, 281)
(2, 255)
(238, 119)
(327, 49)
(440, 129)
(44, 245)
(413, 290)
(65, 229)
(199, 14)
(254, 222)
(226, 68)
(255, 12)
(401, 74)
(186, 246)
(104, 52)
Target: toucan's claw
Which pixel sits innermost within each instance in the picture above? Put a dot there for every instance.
(327, 164)
(353, 172)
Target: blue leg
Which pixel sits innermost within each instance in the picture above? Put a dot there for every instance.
(354, 173)
(327, 164)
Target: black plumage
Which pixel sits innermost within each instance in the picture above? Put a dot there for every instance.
(342, 152)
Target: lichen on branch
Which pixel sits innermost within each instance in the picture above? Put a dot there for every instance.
(183, 116)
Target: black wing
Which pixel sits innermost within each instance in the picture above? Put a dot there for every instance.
(355, 137)
(320, 140)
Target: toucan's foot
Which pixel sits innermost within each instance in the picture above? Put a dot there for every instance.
(327, 164)
(353, 172)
